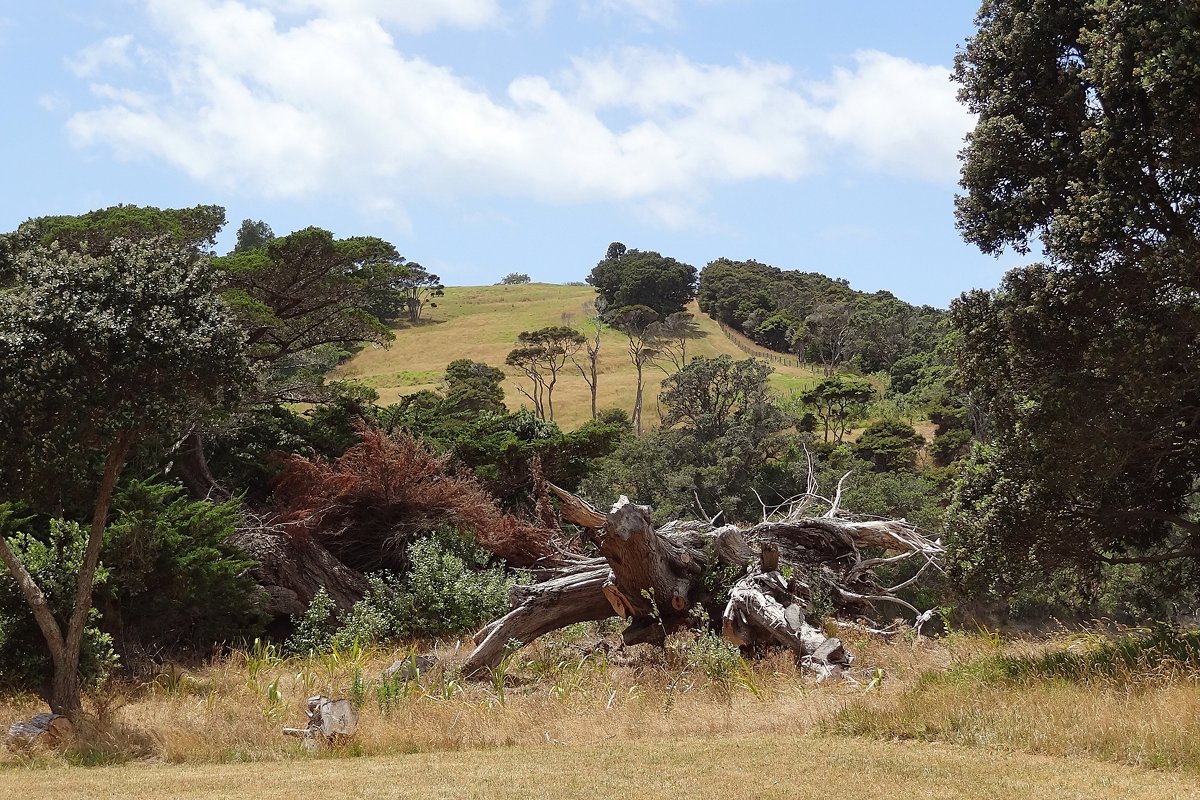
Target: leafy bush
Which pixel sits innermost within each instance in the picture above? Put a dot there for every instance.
(53, 557)
(451, 588)
(175, 580)
(313, 631)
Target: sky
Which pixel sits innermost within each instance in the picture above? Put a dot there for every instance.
(484, 137)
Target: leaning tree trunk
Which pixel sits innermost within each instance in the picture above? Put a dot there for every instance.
(657, 578)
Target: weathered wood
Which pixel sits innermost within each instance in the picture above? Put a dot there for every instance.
(654, 579)
(330, 722)
(544, 607)
(42, 729)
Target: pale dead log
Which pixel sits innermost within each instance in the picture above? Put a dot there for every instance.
(330, 722)
(544, 607)
(653, 578)
(42, 730)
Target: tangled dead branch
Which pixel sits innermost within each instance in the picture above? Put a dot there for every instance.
(762, 581)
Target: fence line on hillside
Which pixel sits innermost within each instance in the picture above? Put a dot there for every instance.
(765, 355)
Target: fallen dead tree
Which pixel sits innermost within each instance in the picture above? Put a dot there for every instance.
(763, 581)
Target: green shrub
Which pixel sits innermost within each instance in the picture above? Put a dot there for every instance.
(452, 587)
(175, 580)
(53, 557)
(313, 631)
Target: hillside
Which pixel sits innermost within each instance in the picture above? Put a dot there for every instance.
(482, 323)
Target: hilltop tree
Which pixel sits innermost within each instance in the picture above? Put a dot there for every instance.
(94, 232)
(634, 278)
(1085, 365)
(541, 355)
(418, 287)
(674, 332)
(514, 279)
(253, 235)
(100, 353)
(308, 289)
(590, 368)
(827, 336)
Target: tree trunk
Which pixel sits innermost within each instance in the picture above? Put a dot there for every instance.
(656, 578)
(637, 400)
(64, 695)
(191, 466)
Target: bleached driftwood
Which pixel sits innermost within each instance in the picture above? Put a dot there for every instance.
(330, 722)
(41, 730)
(656, 578)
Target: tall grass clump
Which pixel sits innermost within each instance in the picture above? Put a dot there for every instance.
(1133, 697)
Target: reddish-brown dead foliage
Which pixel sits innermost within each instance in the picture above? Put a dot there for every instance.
(369, 504)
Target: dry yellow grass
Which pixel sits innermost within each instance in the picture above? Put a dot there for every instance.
(647, 723)
(482, 323)
(718, 767)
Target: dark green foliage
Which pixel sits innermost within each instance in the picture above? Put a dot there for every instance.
(52, 551)
(308, 289)
(175, 580)
(94, 232)
(514, 279)
(473, 387)
(950, 446)
(837, 401)
(890, 445)
(253, 235)
(98, 348)
(636, 278)
(822, 317)
(726, 432)
(712, 396)
(1085, 141)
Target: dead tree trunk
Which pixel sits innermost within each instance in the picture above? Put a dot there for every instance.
(656, 578)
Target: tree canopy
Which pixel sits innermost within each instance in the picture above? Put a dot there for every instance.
(631, 277)
(100, 353)
(1085, 364)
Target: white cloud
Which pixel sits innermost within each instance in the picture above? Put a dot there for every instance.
(332, 105)
(417, 16)
(106, 54)
(539, 11)
(898, 115)
(660, 12)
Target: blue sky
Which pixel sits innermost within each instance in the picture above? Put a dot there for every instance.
(489, 136)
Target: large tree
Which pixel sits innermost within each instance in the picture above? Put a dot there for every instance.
(1086, 364)
(635, 278)
(96, 355)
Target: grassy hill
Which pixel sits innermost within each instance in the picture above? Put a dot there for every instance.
(482, 323)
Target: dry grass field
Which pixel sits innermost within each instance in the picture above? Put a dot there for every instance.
(482, 323)
(796, 767)
(924, 718)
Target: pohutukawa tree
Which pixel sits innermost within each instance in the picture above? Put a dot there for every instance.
(98, 354)
(1086, 364)
(639, 324)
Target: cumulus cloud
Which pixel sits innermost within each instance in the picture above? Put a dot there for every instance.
(105, 54)
(332, 104)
